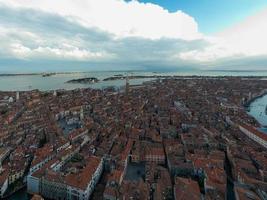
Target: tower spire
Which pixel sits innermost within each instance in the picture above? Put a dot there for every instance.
(127, 86)
(17, 96)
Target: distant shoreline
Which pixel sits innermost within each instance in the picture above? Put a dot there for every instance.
(58, 73)
(38, 74)
(222, 70)
(84, 80)
(116, 77)
(47, 74)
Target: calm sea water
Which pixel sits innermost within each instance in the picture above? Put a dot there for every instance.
(58, 81)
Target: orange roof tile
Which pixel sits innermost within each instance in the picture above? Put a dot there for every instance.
(82, 179)
(255, 131)
(186, 189)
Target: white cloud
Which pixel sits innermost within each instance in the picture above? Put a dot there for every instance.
(246, 39)
(66, 52)
(117, 32)
(121, 18)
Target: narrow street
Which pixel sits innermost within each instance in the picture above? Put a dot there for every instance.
(230, 184)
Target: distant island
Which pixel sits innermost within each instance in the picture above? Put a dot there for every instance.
(48, 74)
(113, 78)
(118, 75)
(84, 80)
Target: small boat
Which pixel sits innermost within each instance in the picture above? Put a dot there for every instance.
(266, 110)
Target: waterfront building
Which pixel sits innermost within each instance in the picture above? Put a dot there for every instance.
(16, 175)
(33, 184)
(254, 134)
(52, 186)
(3, 181)
(78, 184)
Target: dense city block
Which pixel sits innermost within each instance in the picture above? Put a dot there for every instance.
(182, 138)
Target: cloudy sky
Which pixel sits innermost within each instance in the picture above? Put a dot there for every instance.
(63, 35)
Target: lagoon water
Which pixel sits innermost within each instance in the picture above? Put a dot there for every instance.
(58, 81)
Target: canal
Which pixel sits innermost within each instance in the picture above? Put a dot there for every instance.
(20, 195)
(230, 195)
(257, 109)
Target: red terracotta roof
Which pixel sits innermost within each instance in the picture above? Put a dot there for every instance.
(186, 189)
(255, 131)
(81, 179)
